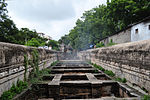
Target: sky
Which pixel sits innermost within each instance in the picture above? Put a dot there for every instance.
(51, 17)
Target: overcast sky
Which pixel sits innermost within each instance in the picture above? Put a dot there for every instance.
(52, 17)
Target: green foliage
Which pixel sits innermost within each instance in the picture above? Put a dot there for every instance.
(105, 20)
(101, 44)
(54, 63)
(54, 44)
(146, 97)
(15, 89)
(7, 95)
(10, 33)
(34, 80)
(109, 72)
(33, 42)
(123, 80)
(22, 85)
(35, 62)
(64, 39)
(43, 72)
(26, 66)
(99, 67)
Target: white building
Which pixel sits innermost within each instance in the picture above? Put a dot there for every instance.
(135, 32)
(141, 30)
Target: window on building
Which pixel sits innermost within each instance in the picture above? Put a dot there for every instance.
(136, 31)
(149, 27)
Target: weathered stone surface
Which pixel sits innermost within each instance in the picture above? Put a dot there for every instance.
(12, 62)
(80, 85)
(129, 60)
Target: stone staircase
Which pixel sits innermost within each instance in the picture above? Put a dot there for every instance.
(73, 79)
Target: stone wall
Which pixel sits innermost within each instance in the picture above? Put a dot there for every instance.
(128, 60)
(12, 62)
(120, 37)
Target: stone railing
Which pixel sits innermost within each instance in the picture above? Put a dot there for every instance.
(128, 60)
(12, 62)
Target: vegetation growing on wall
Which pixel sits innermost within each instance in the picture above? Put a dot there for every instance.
(54, 44)
(36, 74)
(14, 90)
(146, 97)
(34, 62)
(26, 66)
(101, 44)
(41, 73)
(110, 73)
(123, 80)
(54, 63)
(105, 20)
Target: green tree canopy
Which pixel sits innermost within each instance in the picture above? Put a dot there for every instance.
(10, 33)
(54, 44)
(105, 20)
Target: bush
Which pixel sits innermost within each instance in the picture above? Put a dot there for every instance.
(118, 79)
(101, 44)
(99, 67)
(123, 80)
(146, 97)
(110, 73)
(7, 95)
(45, 71)
(15, 89)
(21, 85)
(42, 73)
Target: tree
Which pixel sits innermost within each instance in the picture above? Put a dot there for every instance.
(53, 44)
(105, 20)
(10, 33)
(33, 42)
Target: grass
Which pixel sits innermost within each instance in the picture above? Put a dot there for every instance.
(99, 67)
(109, 72)
(54, 63)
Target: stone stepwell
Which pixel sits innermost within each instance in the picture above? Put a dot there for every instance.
(80, 80)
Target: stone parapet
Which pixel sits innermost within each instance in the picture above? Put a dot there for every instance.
(12, 62)
(128, 60)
